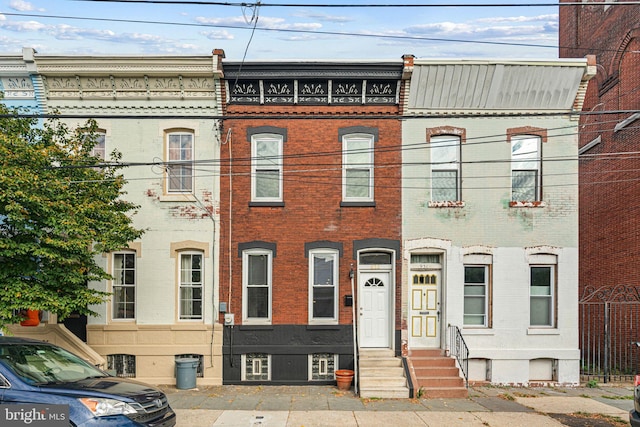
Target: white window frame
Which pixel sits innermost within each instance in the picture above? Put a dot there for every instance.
(99, 150)
(445, 157)
(249, 358)
(365, 149)
(323, 357)
(187, 280)
(526, 161)
(334, 255)
(485, 295)
(182, 160)
(261, 164)
(551, 297)
(119, 275)
(245, 286)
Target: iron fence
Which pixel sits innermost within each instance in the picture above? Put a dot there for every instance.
(609, 319)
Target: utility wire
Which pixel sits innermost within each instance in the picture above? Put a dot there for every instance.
(362, 5)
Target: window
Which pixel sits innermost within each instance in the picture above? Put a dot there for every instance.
(124, 365)
(323, 278)
(256, 367)
(266, 168)
(475, 295)
(257, 286)
(99, 149)
(322, 366)
(525, 168)
(445, 168)
(124, 285)
(191, 281)
(542, 290)
(357, 171)
(180, 162)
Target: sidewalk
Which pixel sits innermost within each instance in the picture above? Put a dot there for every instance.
(321, 406)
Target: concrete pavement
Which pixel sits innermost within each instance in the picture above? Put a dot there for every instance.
(321, 406)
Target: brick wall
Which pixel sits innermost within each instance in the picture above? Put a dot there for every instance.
(609, 185)
(312, 194)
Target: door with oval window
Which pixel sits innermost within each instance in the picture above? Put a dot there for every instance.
(373, 302)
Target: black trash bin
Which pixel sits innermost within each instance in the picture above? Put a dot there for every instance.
(186, 371)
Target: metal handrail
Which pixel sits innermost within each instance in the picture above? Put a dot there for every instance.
(458, 348)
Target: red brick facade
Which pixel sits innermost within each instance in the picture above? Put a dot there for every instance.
(311, 213)
(609, 173)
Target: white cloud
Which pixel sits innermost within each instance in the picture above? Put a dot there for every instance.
(263, 22)
(21, 6)
(218, 35)
(339, 19)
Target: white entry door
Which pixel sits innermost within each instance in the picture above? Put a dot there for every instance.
(373, 301)
(424, 300)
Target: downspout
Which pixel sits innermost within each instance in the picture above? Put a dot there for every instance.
(355, 340)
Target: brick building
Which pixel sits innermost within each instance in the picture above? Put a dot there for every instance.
(609, 173)
(310, 208)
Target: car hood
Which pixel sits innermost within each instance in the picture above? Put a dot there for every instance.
(114, 387)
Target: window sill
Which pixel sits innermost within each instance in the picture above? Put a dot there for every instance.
(446, 204)
(250, 327)
(323, 326)
(266, 204)
(477, 331)
(178, 197)
(543, 331)
(357, 204)
(534, 204)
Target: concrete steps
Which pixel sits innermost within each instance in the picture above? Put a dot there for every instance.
(381, 375)
(437, 376)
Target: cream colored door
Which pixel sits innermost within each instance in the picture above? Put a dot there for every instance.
(424, 302)
(374, 310)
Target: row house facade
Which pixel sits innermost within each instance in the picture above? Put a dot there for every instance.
(490, 208)
(161, 113)
(325, 215)
(312, 237)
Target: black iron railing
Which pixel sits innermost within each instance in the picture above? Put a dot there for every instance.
(458, 349)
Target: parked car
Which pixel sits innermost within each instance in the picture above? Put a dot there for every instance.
(36, 372)
(634, 414)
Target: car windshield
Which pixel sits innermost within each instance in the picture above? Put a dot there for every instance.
(40, 364)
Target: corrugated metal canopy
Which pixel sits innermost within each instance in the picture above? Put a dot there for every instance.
(494, 86)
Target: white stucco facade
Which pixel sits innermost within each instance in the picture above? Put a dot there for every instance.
(140, 104)
(504, 240)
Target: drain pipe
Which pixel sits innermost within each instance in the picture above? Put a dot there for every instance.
(355, 341)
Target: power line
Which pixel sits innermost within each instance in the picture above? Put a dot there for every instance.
(283, 30)
(360, 5)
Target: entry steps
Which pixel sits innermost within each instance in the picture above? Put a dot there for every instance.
(436, 375)
(381, 374)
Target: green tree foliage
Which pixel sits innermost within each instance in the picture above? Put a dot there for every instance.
(60, 207)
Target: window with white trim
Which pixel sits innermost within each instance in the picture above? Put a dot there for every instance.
(124, 285)
(525, 168)
(322, 366)
(180, 155)
(445, 168)
(256, 367)
(256, 278)
(99, 149)
(476, 295)
(191, 284)
(357, 168)
(323, 286)
(266, 167)
(542, 296)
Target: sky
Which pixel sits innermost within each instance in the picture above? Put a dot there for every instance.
(284, 29)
